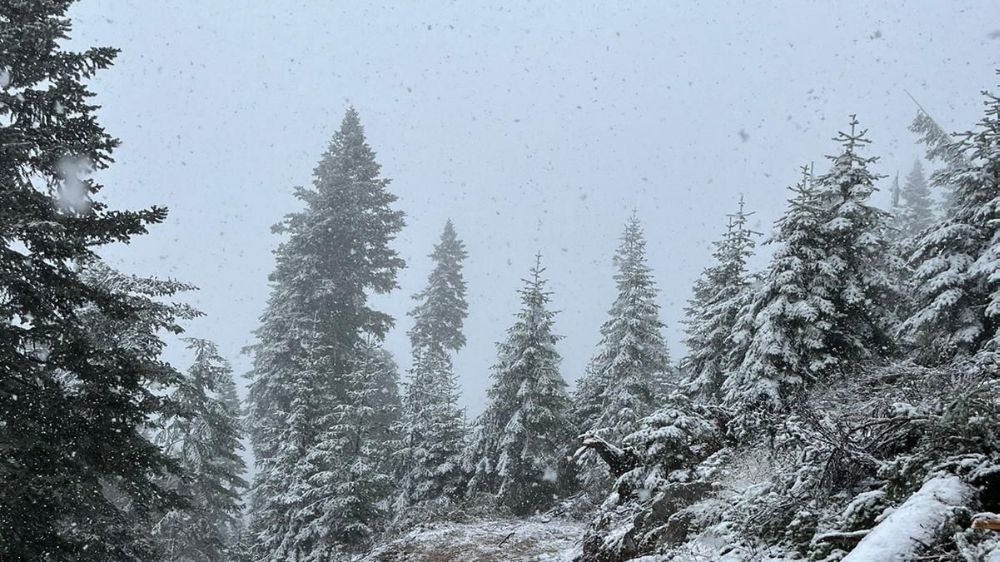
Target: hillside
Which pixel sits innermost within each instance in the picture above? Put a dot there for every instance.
(487, 540)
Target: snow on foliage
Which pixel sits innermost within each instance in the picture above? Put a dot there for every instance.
(631, 366)
(523, 434)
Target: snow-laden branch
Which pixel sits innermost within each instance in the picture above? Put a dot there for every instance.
(619, 460)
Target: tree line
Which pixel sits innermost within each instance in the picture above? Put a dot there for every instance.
(112, 453)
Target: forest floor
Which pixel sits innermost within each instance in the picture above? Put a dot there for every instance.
(537, 539)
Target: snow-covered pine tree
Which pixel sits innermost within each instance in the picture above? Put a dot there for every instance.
(630, 369)
(73, 409)
(349, 472)
(828, 298)
(204, 436)
(313, 332)
(434, 425)
(778, 339)
(441, 308)
(859, 276)
(521, 438)
(957, 264)
(721, 292)
(916, 210)
(940, 149)
(434, 432)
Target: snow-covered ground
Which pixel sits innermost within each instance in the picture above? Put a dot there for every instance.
(538, 539)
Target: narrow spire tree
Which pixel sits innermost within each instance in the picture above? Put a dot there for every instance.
(521, 436)
(205, 439)
(441, 308)
(917, 208)
(434, 425)
(719, 294)
(631, 365)
(313, 335)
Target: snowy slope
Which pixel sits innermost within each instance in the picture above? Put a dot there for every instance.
(493, 540)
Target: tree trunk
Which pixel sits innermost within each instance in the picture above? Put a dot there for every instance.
(915, 525)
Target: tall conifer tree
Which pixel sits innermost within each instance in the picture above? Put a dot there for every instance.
(313, 335)
(956, 264)
(441, 308)
(434, 425)
(860, 276)
(720, 293)
(777, 341)
(829, 297)
(73, 409)
(629, 371)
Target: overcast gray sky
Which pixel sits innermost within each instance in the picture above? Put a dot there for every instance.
(535, 126)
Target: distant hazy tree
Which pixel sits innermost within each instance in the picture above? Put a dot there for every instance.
(916, 212)
(205, 439)
(441, 308)
(940, 149)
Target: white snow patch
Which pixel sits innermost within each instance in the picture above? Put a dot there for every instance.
(537, 539)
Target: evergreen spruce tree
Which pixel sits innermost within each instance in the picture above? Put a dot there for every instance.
(349, 473)
(520, 438)
(859, 276)
(829, 295)
(72, 409)
(721, 292)
(778, 339)
(312, 338)
(441, 309)
(434, 432)
(624, 380)
(956, 264)
(434, 425)
(205, 439)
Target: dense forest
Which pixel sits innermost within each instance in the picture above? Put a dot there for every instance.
(839, 404)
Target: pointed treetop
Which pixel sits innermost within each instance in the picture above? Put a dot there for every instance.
(850, 141)
(442, 309)
(537, 270)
